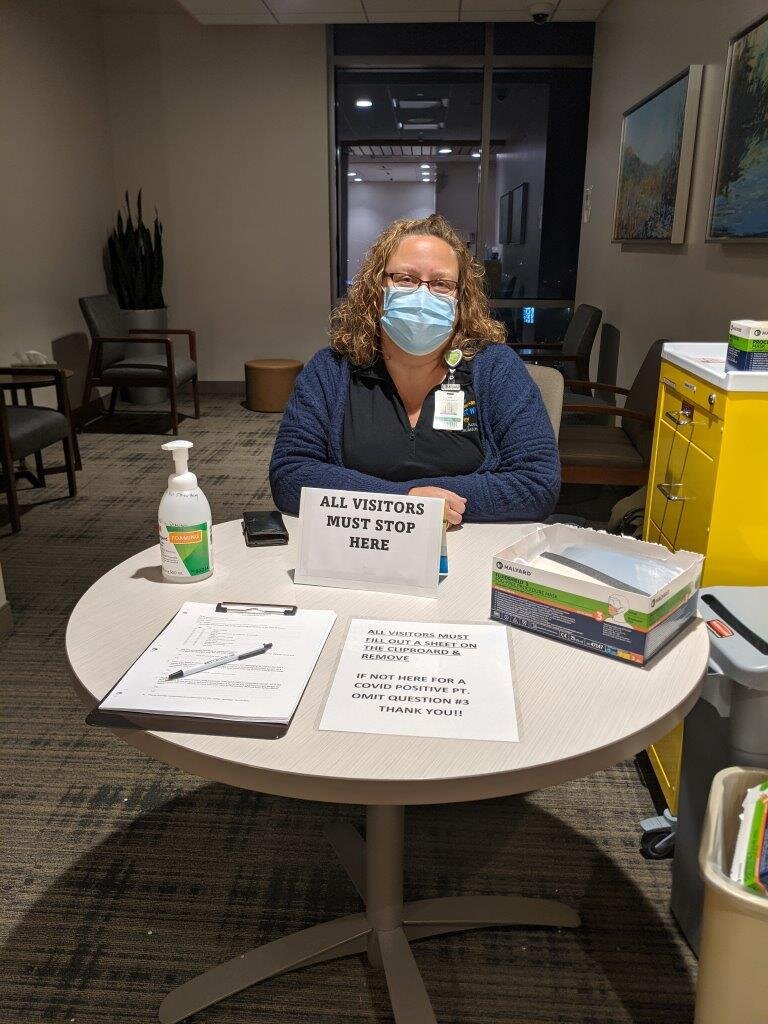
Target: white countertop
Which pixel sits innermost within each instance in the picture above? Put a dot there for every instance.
(706, 360)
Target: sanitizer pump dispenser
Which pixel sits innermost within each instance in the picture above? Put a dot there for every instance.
(184, 522)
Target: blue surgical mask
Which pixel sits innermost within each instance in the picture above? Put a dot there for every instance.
(418, 322)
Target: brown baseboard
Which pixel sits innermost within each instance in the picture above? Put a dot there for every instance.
(6, 620)
(84, 413)
(222, 387)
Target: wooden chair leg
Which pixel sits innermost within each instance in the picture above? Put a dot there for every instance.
(112, 402)
(69, 461)
(39, 469)
(10, 487)
(174, 409)
(196, 394)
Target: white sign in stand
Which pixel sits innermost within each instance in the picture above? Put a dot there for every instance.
(363, 541)
(424, 679)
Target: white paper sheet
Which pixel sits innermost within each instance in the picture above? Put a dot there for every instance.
(266, 688)
(424, 679)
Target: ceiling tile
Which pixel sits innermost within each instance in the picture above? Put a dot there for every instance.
(225, 8)
(486, 15)
(510, 6)
(572, 15)
(412, 17)
(424, 7)
(319, 7)
(263, 18)
(321, 18)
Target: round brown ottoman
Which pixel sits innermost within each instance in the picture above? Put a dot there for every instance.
(269, 383)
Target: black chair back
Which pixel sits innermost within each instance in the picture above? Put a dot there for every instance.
(608, 361)
(642, 397)
(105, 319)
(581, 332)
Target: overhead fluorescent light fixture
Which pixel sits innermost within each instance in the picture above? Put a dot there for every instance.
(363, 103)
(425, 167)
(351, 174)
(476, 154)
(357, 179)
(445, 150)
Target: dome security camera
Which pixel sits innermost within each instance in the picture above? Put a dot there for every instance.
(541, 11)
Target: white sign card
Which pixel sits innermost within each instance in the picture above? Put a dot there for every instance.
(424, 679)
(364, 541)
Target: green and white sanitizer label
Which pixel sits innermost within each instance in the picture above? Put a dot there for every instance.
(185, 550)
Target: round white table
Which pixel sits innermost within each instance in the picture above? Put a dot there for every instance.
(577, 712)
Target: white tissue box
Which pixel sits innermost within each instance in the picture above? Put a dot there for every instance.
(610, 618)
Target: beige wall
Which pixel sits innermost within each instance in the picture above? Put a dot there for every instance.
(680, 292)
(56, 191)
(225, 129)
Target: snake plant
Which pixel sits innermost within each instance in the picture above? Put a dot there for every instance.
(136, 260)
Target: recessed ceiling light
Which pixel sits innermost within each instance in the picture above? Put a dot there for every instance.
(445, 150)
(357, 179)
(476, 155)
(425, 167)
(351, 174)
(364, 103)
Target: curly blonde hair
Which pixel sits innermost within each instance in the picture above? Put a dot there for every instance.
(355, 331)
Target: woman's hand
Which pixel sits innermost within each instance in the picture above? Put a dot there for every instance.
(454, 503)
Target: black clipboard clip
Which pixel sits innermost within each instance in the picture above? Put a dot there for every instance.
(259, 608)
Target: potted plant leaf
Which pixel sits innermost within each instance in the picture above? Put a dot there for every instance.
(136, 269)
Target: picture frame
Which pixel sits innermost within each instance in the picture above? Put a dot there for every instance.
(513, 215)
(738, 207)
(658, 139)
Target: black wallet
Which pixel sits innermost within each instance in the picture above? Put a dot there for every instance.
(260, 528)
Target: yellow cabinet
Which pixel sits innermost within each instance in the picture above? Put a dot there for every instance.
(708, 484)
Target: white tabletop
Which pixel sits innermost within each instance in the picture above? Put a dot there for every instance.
(578, 711)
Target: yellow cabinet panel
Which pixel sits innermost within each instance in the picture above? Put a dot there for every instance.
(666, 756)
(694, 497)
(671, 453)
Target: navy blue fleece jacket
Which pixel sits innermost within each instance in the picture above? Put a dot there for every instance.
(518, 479)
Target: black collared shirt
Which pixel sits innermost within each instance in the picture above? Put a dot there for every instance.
(378, 438)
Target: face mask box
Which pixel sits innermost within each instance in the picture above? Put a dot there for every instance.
(747, 345)
(616, 596)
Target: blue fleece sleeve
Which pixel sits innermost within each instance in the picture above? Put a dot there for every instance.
(301, 456)
(526, 484)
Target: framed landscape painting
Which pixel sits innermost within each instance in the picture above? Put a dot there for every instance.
(655, 161)
(739, 207)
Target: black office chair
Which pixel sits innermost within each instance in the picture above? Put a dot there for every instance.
(571, 355)
(27, 430)
(607, 366)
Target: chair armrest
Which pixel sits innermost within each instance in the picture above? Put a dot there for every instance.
(31, 371)
(191, 337)
(610, 410)
(599, 386)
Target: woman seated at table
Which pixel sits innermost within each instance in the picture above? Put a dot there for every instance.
(417, 393)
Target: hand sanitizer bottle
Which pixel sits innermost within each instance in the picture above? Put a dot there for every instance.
(184, 523)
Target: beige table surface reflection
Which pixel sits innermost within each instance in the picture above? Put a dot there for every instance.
(577, 712)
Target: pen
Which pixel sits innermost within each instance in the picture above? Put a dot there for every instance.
(219, 661)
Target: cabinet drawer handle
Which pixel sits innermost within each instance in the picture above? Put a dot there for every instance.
(666, 490)
(681, 419)
(687, 384)
(668, 382)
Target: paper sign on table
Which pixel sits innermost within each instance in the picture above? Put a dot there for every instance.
(380, 542)
(424, 679)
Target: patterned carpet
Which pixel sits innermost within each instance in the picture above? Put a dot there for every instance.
(123, 877)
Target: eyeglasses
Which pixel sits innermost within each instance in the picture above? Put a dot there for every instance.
(409, 283)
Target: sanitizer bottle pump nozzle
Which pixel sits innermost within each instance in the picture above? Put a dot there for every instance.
(184, 522)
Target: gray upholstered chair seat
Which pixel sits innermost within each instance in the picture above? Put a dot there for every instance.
(126, 371)
(597, 445)
(31, 428)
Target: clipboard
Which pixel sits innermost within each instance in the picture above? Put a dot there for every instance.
(196, 725)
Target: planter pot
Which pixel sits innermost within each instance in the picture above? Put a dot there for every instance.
(145, 319)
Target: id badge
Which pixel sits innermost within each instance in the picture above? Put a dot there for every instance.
(449, 410)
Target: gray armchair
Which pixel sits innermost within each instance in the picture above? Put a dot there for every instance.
(28, 429)
(571, 355)
(607, 366)
(113, 364)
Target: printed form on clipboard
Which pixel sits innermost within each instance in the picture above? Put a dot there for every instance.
(262, 689)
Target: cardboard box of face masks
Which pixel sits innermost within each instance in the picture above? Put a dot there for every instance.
(627, 602)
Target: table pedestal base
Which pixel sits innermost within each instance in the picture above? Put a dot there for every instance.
(384, 931)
